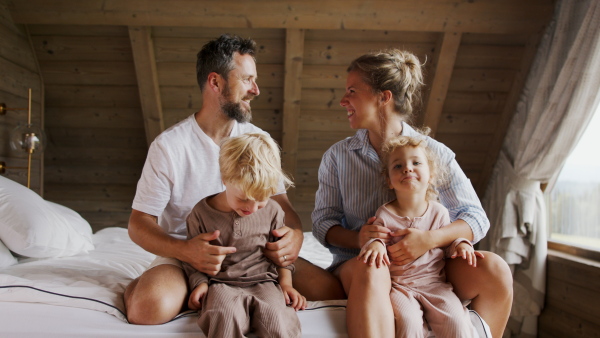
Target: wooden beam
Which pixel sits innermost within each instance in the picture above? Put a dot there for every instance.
(507, 113)
(499, 16)
(444, 65)
(145, 69)
(292, 90)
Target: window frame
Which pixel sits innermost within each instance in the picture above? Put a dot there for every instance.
(575, 250)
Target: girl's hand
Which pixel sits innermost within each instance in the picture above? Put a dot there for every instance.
(374, 253)
(412, 246)
(467, 252)
(370, 230)
(195, 300)
(293, 298)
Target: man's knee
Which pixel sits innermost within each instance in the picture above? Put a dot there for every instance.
(155, 298)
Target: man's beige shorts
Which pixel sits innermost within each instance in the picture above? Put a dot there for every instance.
(165, 260)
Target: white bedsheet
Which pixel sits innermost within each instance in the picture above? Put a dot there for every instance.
(71, 296)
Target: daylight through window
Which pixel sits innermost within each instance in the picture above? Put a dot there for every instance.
(574, 203)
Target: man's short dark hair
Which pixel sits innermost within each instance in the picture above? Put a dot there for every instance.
(217, 56)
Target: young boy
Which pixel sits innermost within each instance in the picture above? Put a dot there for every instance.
(249, 292)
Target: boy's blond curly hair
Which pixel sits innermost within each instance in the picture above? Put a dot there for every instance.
(252, 163)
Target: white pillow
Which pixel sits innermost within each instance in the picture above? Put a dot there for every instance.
(6, 258)
(33, 227)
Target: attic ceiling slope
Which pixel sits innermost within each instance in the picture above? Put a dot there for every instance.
(494, 16)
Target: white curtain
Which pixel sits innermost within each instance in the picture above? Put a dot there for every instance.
(559, 98)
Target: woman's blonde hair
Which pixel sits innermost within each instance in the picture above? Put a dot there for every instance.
(438, 173)
(395, 70)
(252, 163)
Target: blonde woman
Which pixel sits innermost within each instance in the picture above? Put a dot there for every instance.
(382, 89)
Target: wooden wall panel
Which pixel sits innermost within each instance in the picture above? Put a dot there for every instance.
(572, 297)
(94, 122)
(484, 72)
(18, 73)
(76, 72)
(509, 16)
(82, 48)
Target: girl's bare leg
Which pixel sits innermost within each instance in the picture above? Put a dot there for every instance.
(489, 285)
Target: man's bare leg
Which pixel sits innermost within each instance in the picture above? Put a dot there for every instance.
(157, 296)
(316, 283)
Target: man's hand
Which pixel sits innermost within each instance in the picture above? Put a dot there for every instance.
(370, 230)
(413, 245)
(284, 251)
(203, 256)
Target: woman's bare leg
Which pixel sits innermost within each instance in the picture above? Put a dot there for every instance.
(489, 285)
(157, 296)
(369, 310)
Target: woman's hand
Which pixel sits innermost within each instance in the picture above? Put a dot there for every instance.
(413, 245)
(370, 230)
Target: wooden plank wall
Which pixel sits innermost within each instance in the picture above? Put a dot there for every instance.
(96, 125)
(572, 297)
(484, 73)
(19, 72)
(96, 136)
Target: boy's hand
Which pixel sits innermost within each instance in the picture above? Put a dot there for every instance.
(195, 300)
(293, 298)
(374, 253)
(467, 252)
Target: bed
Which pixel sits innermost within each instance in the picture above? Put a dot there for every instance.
(68, 282)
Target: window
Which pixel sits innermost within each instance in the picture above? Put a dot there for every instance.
(574, 203)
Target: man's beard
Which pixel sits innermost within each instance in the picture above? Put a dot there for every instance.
(234, 110)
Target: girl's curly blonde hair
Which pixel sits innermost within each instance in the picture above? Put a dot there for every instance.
(438, 174)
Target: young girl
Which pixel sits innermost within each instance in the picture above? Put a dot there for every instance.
(419, 287)
(249, 292)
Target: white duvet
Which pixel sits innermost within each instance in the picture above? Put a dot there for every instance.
(96, 281)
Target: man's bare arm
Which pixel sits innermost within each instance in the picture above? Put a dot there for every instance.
(285, 251)
(145, 232)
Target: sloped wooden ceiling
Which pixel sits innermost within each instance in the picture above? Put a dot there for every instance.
(118, 72)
